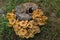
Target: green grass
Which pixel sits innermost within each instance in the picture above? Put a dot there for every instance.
(58, 14)
(48, 31)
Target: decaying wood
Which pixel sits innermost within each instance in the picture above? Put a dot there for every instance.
(22, 11)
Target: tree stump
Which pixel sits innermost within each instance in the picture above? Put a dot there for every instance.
(24, 11)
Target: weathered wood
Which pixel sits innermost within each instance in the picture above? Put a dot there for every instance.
(24, 10)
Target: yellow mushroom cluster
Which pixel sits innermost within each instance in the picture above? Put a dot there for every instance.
(39, 17)
(25, 28)
(11, 18)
